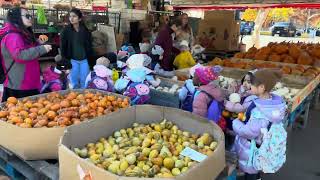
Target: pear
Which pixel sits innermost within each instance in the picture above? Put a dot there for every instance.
(90, 145)
(117, 134)
(184, 169)
(174, 129)
(108, 152)
(157, 128)
(179, 164)
(146, 168)
(131, 158)
(168, 163)
(154, 153)
(165, 152)
(146, 142)
(123, 165)
(114, 167)
(111, 141)
(95, 158)
(131, 150)
(146, 151)
(176, 171)
(99, 150)
(213, 145)
(135, 124)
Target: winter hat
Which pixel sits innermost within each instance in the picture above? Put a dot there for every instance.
(157, 50)
(123, 55)
(129, 49)
(102, 71)
(103, 61)
(193, 69)
(139, 61)
(208, 74)
(266, 77)
(184, 43)
(137, 75)
(144, 47)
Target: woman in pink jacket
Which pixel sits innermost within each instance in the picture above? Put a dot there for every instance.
(19, 55)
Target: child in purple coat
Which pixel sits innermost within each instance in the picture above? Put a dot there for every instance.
(267, 109)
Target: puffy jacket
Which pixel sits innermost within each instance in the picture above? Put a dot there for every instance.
(25, 73)
(265, 112)
(184, 60)
(49, 75)
(202, 100)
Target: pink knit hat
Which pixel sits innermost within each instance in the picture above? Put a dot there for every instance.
(207, 74)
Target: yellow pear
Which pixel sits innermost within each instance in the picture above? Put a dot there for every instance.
(168, 163)
(176, 171)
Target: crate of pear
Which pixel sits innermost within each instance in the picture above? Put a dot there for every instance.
(147, 150)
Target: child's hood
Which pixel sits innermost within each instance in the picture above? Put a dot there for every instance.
(274, 109)
(102, 71)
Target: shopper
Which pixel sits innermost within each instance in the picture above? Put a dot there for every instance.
(184, 59)
(185, 31)
(268, 109)
(76, 46)
(20, 51)
(164, 40)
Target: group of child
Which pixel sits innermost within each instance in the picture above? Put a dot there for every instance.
(260, 141)
(133, 74)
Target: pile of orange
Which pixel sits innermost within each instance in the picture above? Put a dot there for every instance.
(57, 110)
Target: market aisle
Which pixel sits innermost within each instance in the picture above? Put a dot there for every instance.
(303, 153)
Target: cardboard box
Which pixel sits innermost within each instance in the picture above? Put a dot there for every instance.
(79, 136)
(34, 143)
(219, 31)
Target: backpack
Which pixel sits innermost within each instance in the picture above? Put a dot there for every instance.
(271, 155)
(214, 108)
(138, 93)
(4, 72)
(46, 87)
(101, 83)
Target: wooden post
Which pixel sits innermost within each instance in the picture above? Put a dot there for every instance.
(260, 19)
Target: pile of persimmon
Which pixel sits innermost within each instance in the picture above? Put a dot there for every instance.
(57, 110)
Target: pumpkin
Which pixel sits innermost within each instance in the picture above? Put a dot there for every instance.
(305, 59)
(280, 49)
(274, 58)
(288, 59)
(294, 51)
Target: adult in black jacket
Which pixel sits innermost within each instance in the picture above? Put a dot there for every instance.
(76, 45)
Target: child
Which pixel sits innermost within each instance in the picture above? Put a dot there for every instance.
(209, 95)
(268, 109)
(135, 81)
(100, 77)
(55, 78)
(184, 59)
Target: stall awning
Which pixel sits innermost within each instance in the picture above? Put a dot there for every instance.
(247, 6)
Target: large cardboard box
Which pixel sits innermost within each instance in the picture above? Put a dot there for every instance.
(219, 31)
(34, 143)
(79, 136)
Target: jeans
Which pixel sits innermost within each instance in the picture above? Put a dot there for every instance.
(79, 73)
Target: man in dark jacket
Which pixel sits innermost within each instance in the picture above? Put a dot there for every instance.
(164, 39)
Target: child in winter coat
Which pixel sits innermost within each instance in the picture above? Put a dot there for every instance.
(100, 78)
(266, 110)
(54, 78)
(184, 59)
(209, 90)
(136, 80)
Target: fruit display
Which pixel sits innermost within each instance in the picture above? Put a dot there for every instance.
(295, 53)
(57, 110)
(147, 150)
(300, 70)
